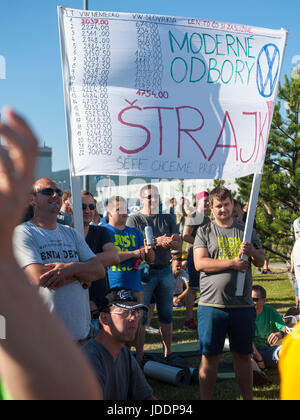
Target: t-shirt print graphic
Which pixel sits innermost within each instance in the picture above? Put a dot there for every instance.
(229, 248)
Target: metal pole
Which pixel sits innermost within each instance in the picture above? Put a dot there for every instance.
(86, 180)
(248, 229)
(74, 180)
(254, 199)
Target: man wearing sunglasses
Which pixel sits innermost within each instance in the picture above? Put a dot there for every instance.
(269, 330)
(160, 282)
(57, 259)
(116, 369)
(99, 240)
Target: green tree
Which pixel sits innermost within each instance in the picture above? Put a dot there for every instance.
(279, 197)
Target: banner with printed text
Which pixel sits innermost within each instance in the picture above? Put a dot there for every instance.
(167, 97)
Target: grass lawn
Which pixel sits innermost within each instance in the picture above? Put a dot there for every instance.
(280, 294)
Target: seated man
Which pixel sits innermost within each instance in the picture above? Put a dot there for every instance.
(269, 330)
(181, 281)
(116, 369)
(132, 250)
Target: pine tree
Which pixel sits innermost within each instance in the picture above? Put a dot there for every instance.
(279, 197)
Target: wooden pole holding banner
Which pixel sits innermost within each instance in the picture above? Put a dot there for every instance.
(252, 204)
(86, 180)
(74, 180)
(249, 228)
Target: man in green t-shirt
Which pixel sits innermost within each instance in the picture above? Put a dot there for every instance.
(1, 393)
(4, 396)
(269, 330)
(218, 248)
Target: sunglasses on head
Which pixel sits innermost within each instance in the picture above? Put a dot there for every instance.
(90, 206)
(50, 191)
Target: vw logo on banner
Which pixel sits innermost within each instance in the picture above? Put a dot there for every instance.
(268, 64)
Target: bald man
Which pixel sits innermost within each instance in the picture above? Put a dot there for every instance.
(57, 259)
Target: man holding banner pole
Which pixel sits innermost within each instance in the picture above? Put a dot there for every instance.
(218, 248)
(159, 282)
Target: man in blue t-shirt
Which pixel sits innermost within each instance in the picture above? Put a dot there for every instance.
(132, 251)
(130, 245)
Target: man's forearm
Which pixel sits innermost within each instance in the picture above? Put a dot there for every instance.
(109, 258)
(177, 244)
(210, 265)
(127, 255)
(258, 258)
(187, 235)
(189, 239)
(62, 274)
(173, 242)
(88, 271)
(183, 294)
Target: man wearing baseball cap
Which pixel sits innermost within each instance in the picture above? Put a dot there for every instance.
(116, 369)
(192, 224)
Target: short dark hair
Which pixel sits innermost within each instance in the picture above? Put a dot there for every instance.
(146, 188)
(220, 193)
(85, 193)
(111, 202)
(260, 290)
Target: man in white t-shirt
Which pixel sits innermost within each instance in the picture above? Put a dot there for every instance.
(181, 281)
(296, 226)
(57, 259)
(296, 259)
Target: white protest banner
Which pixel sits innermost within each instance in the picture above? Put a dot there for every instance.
(168, 97)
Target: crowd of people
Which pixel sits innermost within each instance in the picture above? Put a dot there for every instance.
(76, 304)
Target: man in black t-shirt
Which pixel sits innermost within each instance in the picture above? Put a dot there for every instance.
(192, 223)
(99, 240)
(160, 282)
(117, 371)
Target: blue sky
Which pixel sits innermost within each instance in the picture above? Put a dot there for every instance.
(29, 43)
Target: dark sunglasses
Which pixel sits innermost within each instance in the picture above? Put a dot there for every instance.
(90, 206)
(50, 191)
(256, 299)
